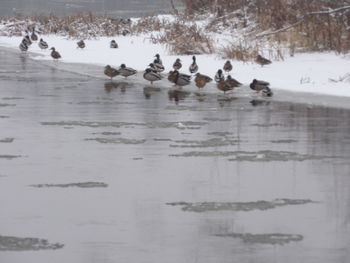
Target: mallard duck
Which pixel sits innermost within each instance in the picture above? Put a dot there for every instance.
(262, 61)
(177, 64)
(23, 46)
(201, 80)
(157, 66)
(158, 60)
(219, 76)
(151, 75)
(27, 40)
(179, 79)
(228, 66)
(110, 72)
(54, 53)
(34, 36)
(193, 66)
(81, 44)
(113, 44)
(232, 82)
(125, 32)
(224, 86)
(42, 44)
(267, 92)
(125, 71)
(259, 85)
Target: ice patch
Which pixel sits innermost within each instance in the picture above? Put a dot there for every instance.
(116, 140)
(79, 185)
(271, 239)
(8, 243)
(7, 140)
(238, 206)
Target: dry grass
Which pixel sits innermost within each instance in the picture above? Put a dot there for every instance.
(183, 38)
(244, 52)
(77, 26)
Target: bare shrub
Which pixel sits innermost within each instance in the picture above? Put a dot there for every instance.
(183, 39)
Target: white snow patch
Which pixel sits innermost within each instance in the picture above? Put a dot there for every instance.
(322, 73)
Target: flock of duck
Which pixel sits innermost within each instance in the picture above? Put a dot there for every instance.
(223, 80)
(153, 72)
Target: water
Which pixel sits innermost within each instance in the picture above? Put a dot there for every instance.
(117, 8)
(94, 171)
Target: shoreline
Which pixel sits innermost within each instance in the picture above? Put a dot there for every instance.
(94, 70)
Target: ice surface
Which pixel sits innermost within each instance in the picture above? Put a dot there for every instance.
(107, 202)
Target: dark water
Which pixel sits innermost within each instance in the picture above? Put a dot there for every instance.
(100, 171)
(117, 8)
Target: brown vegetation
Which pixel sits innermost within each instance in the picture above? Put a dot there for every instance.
(308, 28)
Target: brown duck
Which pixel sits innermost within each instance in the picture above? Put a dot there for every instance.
(262, 61)
(110, 72)
(224, 86)
(54, 53)
(201, 80)
(232, 82)
(228, 66)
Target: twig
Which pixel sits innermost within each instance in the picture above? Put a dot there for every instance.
(302, 19)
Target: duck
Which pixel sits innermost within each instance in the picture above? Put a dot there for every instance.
(262, 61)
(151, 75)
(81, 44)
(227, 66)
(54, 53)
(158, 60)
(219, 76)
(179, 79)
(177, 64)
(267, 92)
(224, 86)
(157, 66)
(34, 36)
(27, 40)
(23, 46)
(232, 82)
(125, 71)
(125, 32)
(113, 44)
(110, 72)
(42, 44)
(193, 67)
(259, 85)
(201, 80)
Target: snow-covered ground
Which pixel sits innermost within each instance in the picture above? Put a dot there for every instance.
(322, 73)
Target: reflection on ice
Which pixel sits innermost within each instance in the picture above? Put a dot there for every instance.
(239, 206)
(177, 95)
(123, 86)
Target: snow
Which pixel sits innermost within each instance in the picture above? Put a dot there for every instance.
(321, 73)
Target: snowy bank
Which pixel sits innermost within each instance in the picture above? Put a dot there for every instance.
(322, 73)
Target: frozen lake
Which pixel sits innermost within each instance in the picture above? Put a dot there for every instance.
(101, 172)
